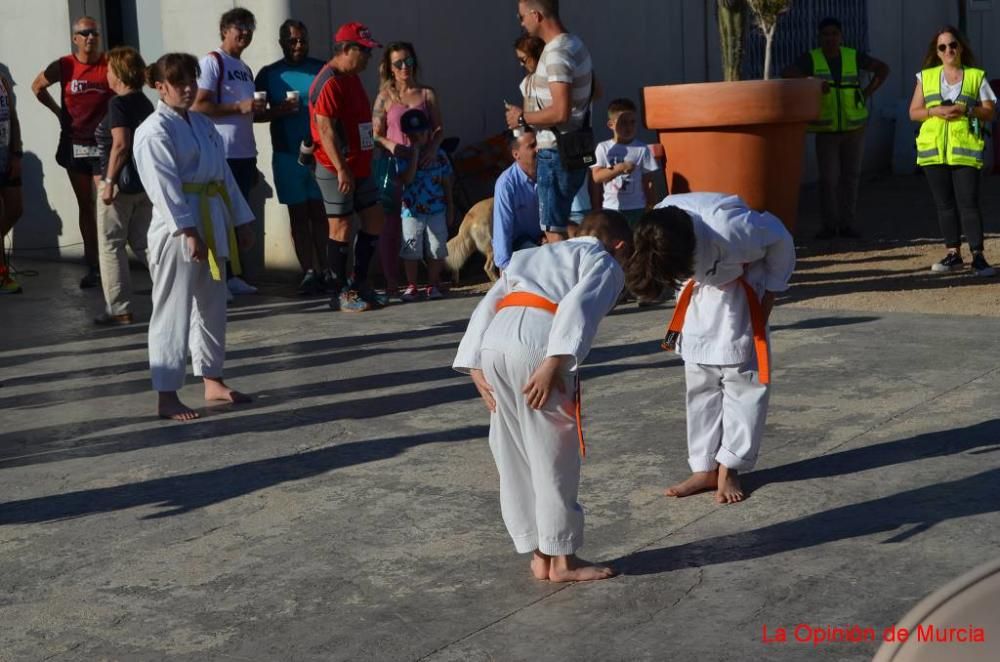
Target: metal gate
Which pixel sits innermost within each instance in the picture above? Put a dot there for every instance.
(797, 33)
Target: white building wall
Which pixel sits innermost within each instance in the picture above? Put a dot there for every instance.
(465, 52)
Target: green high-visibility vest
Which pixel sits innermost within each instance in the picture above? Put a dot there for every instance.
(843, 107)
(950, 142)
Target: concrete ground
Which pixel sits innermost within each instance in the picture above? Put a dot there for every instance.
(351, 512)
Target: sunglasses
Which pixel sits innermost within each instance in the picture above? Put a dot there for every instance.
(953, 45)
(407, 62)
(522, 60)
(296, 40)
(364, 49)
(89, 32)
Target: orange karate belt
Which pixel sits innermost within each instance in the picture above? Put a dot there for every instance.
(756, 321)
(530, 300)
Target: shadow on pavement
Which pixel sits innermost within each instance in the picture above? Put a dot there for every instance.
(176, 495)
(918, 509)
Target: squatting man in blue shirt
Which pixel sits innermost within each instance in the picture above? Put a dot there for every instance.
(515, 200)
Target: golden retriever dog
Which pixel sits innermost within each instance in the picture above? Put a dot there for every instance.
(475, 234)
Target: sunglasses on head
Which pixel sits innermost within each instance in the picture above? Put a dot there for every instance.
(407, 62)
(89, 32)
(952, 45)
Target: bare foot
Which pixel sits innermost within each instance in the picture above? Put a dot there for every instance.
(730, 490)
(571, 569)
(540, 565)
(216, 389)
(170, 406)
(699, 481)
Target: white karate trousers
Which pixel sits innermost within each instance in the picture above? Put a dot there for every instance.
(537, 453)
(726, 411)
(189, 312)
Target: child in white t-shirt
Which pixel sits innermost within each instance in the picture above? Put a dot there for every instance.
(625, 165)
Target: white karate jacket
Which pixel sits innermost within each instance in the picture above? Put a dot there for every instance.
(732, 240)
(578, 274)
(169, 152)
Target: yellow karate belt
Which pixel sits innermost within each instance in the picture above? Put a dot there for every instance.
(205, 192)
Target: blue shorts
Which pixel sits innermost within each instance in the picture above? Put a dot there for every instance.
(556, 188)
(294, 183)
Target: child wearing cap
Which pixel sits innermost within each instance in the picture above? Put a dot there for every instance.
(427, 209)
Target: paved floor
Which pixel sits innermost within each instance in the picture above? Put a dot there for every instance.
(351, 513)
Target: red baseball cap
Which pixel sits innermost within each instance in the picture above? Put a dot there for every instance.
(357, 33)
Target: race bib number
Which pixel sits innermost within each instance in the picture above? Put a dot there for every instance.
(86, 152)
(367, 137)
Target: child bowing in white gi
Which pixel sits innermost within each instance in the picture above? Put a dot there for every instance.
(734, 259)
(198, 211)
(523, 348)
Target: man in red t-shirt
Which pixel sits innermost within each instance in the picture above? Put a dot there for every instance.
(83, 80)
(340, 120)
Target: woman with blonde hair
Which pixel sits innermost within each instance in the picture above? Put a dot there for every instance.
(124, 210)
(952, 100)
(399, 91)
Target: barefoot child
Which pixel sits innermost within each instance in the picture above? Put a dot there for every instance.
(735, 260)
(196, 206)
(523, 348)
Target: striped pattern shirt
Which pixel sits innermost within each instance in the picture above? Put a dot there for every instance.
(564, 60)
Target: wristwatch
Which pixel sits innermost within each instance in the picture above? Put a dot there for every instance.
(970, 109)
(108, 181)
(520, 120)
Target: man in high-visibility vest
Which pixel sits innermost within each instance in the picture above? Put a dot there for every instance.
(840, 130)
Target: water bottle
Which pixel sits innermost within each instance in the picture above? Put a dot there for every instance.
(306, 157)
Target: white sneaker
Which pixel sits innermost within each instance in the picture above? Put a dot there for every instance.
(239, 286)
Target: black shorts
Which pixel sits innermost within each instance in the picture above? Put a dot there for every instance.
(364, 195)
(89, 165)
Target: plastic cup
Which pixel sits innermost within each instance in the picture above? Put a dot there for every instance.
(292, 95)
(260, 96)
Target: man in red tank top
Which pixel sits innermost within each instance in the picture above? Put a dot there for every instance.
(83, 80)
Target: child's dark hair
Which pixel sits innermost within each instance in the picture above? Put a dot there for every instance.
(619, 106)
(173, 68)
(608, 225)
(663, 253)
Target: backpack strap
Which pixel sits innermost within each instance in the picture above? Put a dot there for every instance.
(222, 73)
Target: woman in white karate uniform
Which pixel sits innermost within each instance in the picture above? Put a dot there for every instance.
(198, 213)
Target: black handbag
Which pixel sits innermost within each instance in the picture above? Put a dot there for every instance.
(577, 148)
(128, 179)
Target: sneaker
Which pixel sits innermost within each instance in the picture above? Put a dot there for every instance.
(434, 293)
(411, 293)
(107, 319)
(951, 262)
(92, 279)
(331, 284)
(351, 302)
(826, 233)
(8, 285)
(375, 298)
(311, 284)
(848, 233)
(239, 286)
(981, 266)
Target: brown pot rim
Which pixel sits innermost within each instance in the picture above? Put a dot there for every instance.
(735, 103)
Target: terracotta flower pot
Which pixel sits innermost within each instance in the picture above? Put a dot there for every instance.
(742, 137)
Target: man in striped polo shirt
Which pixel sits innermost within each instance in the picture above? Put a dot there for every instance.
(561, 91)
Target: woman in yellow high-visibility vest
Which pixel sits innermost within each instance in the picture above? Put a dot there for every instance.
(951, 100)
